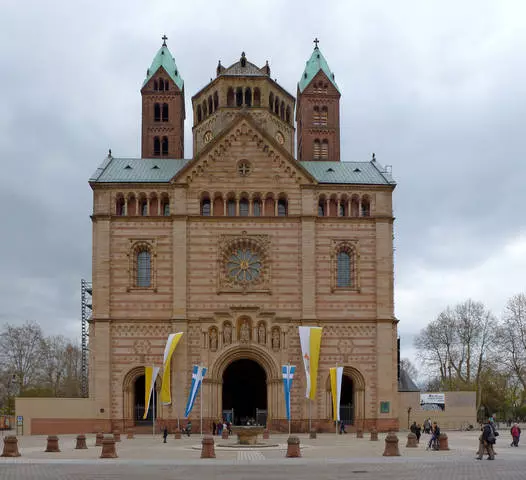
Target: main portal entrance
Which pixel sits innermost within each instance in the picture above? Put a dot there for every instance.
(245, 391)
(138, 403)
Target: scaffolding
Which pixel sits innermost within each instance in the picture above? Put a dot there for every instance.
(86, 310)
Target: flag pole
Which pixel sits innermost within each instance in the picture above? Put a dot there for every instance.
(288, 386)
(153, 400)
(201, 398)
(310, 415)
(337, 404)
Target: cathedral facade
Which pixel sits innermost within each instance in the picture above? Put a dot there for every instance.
(239, 245)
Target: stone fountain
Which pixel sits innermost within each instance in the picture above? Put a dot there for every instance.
(248, 435)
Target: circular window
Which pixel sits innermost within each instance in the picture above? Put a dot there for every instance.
(243, 168)
(244, 265)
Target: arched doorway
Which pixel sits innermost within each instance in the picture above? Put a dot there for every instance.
(139, 389)
(245, 392)
(347, 401)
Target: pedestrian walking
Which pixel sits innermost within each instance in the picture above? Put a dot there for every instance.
(487, 440)
(165, 434)
(515, 434)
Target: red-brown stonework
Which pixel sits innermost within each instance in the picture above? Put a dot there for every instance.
(81, 442)
(108, 448)
(10, 447)
(243, 189)
(207, 447)
(443, 442)
(391, 445)
(52, 444)
(293, 447)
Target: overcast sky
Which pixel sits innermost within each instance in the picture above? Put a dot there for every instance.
(437, 89)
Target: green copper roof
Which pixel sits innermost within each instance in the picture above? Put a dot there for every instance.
(137, 170)
(164, 59)
(316, 63)
(360, 173)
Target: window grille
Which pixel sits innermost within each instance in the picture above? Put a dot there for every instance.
(344, 270)
(316, 150)
(143, 269)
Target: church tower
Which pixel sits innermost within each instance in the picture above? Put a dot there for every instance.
(163, 111)
(318, 111)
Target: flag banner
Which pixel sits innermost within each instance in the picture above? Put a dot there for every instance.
(150, 375)
(197, 378)
(336, 375)
(310, 339)
(288, 375)
(166, 393)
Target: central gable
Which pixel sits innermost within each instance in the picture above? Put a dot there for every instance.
(244, 156)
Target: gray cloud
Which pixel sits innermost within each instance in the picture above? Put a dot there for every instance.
(436, 89)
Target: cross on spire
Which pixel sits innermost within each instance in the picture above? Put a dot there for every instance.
(316, 41)
(164, 38)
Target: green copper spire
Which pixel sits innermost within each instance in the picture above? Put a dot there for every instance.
(164, 59)
(316, 63)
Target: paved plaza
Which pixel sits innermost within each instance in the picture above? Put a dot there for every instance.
(327, 457)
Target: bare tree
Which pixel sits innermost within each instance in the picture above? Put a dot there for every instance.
(409, 368)
(21, 352)
(511, 338)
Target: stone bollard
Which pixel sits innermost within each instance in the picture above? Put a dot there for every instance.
(411, 440)
(391, 445)
(81, 442)
(177, 435)
(293, 447)
(52, 444)
(374, 435)
(224, 434)
(207, 447)
(10, 447)
(443, 442)
(117, 435)
(98, 439)
(266, 434)
(312, 433)
(359, 433)
(130, 434)
(108, 448)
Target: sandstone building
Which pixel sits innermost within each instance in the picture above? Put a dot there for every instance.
(237, 246)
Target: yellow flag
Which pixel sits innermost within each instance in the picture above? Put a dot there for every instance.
(150, 375)
(310, 341)
(336, 390)
(173, 340)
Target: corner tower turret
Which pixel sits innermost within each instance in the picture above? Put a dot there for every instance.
(318, 111)
(163, 111)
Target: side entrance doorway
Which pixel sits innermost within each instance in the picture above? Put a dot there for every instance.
(245, 392)
(138, 403)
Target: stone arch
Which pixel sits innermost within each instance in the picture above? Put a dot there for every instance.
(128, 400)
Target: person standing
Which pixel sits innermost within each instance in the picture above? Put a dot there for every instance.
(515, 434)
(213, 427)
(486, 441)
(165, 434)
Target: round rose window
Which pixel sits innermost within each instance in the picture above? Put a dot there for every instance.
(244, 265)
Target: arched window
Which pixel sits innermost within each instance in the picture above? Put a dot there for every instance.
(205, 110)
(165, 146)
(333, 207)
(256, 207)
(243, 207)
(239, 97)
(154, 205)
(156, 112)
(161, 84)
(366, 206)
(282, 111)
(216, 101)
(271, 101)
(324, 116)
(325, 150)
(316, 115)
(231, 207)
(199, 113)
(269, 206)
(210, 105)
(316, 150)
(344, 269)
(287, 115)
(218, 206)
(165, 205)
(276, 106)
(155, 85)
(257, 97)
(355, 212)
(321, 208)
(120, 206)
(165, 112)
(205, 207)
(144, 269)
(156, 146)
(131, 208)
(248, 97)
(143, 207)
(166, 84)
(230, 97)
(282, 207)
(341, 211)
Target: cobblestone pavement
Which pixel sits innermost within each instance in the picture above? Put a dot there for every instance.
(327, 457)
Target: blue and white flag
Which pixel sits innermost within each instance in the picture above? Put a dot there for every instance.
(197, 378)
(288, 375)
